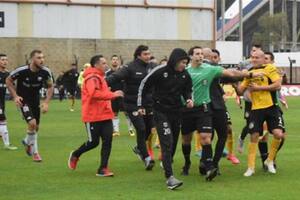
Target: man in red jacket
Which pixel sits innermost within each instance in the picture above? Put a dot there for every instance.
(96, 114)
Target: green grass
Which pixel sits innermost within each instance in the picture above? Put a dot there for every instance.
(61, 131)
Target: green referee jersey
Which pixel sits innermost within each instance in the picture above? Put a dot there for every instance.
(202, 77)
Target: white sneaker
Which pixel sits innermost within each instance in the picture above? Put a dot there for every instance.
(173, 183)
(270, 166)
(249, 172)
(10, 147)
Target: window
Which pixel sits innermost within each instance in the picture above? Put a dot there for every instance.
(1, 19)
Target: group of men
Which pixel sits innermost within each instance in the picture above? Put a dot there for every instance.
(184, 95)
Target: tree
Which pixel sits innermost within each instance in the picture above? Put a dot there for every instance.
(271, 30)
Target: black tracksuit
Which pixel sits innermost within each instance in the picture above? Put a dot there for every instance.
(132, 75)
(95, 131)
(116, 104)
(168, 86)
(70, 81)
(220, 114)
(219, 118)
(60, 87)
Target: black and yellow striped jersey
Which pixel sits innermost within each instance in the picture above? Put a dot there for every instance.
(263, 99)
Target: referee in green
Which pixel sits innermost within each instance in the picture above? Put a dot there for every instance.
(199, 118)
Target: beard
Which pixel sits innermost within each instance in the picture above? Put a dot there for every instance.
(39, 65)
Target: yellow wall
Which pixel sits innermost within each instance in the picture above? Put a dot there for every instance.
(25, 20)
(108, 21)
(183, 21)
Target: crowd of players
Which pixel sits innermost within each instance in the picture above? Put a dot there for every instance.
(181, 94)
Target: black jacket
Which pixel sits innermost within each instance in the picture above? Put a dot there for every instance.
(70, 78)
(117, 85)
(132, 75)
(216, 95)
(217, 92)
(168, 85)
(59, 81)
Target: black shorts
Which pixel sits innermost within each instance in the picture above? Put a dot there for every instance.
(71, 91)
(2, 113)
(271, 115)
(197, 120)
(247, 110)
(281, 113)
(31, 112)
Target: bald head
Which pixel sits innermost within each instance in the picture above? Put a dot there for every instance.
(207, 53)
(257, 58)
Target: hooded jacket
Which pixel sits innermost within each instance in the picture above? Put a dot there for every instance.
(95, 97)
(132, 75)
(168, 85)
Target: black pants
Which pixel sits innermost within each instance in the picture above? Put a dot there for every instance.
(219, 121)
(95, 130)
(143, 126)
(61, 93)
(247, 112)
(168, 128)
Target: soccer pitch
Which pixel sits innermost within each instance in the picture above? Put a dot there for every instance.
(61, 131)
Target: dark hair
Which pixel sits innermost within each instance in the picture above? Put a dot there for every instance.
(270, 54)
(3, 55)
(191, 50)
(35, 52)
(113, 56)
(95, 59)
(216, 51)
(257, 46)
(138, 51)
(152, 57)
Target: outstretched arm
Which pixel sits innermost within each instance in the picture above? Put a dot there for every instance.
(94, 90)
(118, 76)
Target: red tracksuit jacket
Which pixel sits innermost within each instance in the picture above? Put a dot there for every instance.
(96, 97)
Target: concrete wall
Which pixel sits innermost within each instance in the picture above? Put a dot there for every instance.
(59, 52)
(62, 31)
(73, 21)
